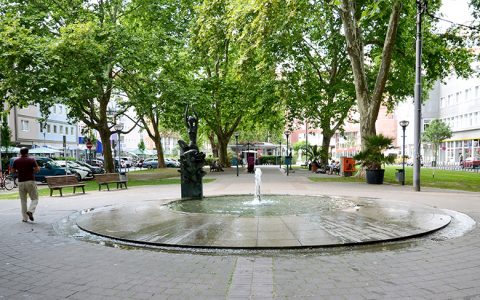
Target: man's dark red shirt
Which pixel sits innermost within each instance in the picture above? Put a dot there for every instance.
(25, 167)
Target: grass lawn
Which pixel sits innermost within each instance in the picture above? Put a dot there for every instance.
(135, 178)
(443, 179)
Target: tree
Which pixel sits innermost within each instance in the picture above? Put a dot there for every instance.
(435, 133)
(229, 86)
(73, 54)
(141, 145)
(5, 131)
(304, 40)
(380, 38)
(155, 77)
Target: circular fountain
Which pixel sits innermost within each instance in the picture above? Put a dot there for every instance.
(263, 221)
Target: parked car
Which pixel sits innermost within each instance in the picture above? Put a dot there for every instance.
(150, 164)
(145, 161)
(472, 162)
(48, 167)
(96, 162)
(82, 173)
(171, 163)
(93, 169)
(126, 162)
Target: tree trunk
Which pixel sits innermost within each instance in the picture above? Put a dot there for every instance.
(105, 135)
(211, 138)
(158, 144)
(223, 151)
(160, 156)
(325, 147)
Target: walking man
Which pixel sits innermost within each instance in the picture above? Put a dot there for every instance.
(26, 167)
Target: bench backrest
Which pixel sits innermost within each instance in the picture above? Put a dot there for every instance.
(54, 181)
(107, 177)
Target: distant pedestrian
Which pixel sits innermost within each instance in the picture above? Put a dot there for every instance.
(25, 167)
(461, 159)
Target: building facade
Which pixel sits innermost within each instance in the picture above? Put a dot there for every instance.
(456, 102)
(28, 130)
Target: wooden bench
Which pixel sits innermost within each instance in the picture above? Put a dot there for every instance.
(60, 182)
(107, 178)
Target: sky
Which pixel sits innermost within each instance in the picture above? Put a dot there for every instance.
(456, 11)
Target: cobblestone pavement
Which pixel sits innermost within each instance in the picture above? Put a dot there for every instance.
(36, 262)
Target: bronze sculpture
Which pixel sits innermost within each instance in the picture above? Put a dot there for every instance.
(191, 159)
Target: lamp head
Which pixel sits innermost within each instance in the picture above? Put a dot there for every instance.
(404, 123)
(287, 133)
(118, 127)
(236, 135)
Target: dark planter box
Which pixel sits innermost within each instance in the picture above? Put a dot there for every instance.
(375, 176)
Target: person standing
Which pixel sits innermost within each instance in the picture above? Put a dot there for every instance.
(25, 167)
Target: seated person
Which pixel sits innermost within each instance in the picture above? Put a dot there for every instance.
(329, 168)
(336, 168)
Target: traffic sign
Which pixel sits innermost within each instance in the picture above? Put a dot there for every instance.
(89, 145)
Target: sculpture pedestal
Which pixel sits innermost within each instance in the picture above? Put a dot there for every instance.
(192, 162)
(192, 190)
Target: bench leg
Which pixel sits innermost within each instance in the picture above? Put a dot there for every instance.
(83, 189)
(61, 195)
(99, 187)
(74, 189)
(51, 192)
(108, 188)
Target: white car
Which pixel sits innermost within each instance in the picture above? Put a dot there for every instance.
(81, 172)
(125, 162)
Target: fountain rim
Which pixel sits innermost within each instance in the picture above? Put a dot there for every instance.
(148, 244)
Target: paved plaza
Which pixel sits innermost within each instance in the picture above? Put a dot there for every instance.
(38, 261)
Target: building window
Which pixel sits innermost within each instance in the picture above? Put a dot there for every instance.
(54, 128)
(60, 108)
(25, 125)
(426, 122)
(61, 129)
(48, 128)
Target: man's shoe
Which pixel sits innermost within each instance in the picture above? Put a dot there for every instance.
(30, 215)
(25, 221)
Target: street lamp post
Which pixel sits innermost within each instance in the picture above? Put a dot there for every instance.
(236, 148)
(421, 9)
(280, 164)
(404, 125)
(287, 133)
(118, 128)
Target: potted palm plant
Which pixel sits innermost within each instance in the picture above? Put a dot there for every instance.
(372, 158)
(313, 153)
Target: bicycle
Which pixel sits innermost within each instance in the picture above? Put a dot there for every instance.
(7, 182)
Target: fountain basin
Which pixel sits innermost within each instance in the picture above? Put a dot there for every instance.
(278, 221)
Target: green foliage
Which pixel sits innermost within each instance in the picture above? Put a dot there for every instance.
(304, 40)
(314, 153)
(372, 156)
(141, 145)
(435, 133)
(300, 146)
(5, 132)
(230, 83)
